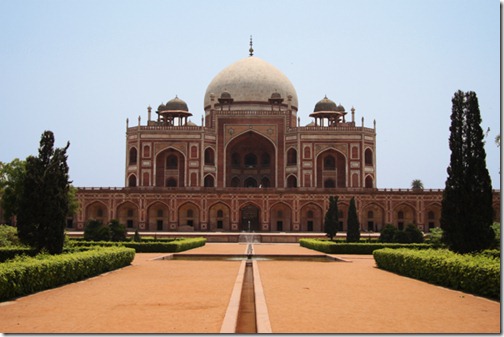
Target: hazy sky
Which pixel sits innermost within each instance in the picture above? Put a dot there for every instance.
(80, 68)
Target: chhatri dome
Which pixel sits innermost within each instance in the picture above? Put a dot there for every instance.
(251, 81)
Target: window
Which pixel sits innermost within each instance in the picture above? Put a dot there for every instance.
(171, 182)
(220, 224)
(172, 162)
(292, 157)
(329, 163)
(209, 157)
(235, 182)
(220, 213)
(368, 157)
(370, 214)
(129, 212)
(159, 225)
(132, 181)
(309, 214)
(329, 183)
(129, 223)
(159, 213)
(133, 156)
(99, 212)
(250, 160)
(190, 213)
(280, 214)
(209, 181)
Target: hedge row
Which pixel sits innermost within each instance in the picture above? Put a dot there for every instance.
(475, 274)
(173, 246)
(331, 247)
(7, 253)
(27, 275)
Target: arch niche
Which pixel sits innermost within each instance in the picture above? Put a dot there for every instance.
(281, 218)
(312, 218)
(250, 213)
(97, 211)
(331, 169)
(170, 168)
(219, 217)
(250, 158)
(158, 217)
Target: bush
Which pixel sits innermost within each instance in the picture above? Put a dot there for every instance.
(7, 253)
(331, 247)
(94, 230)
(436, 237)
(8, 236)
(411, 234)
(476, 274)
(387, 233)
(25, 275)
(177, 245)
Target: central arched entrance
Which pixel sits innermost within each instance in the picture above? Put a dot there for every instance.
(249, 216)
(250, 161)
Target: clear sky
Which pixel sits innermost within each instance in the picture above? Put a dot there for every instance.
(80, 68)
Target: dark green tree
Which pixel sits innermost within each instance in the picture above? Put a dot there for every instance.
(117, 231)
(43, 202)
(413, 234)
(467, 213)
(388, 233)
(353, 226)
(331, 218)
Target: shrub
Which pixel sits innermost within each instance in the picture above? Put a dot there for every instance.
(25, 275)
(117, 231)
(7, 253)
(8, 236)
(177, 245)
(387, 233)
(331, 247)
(436, 237)
(411, 234)
(477, 274)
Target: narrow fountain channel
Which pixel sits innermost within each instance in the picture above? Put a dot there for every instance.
(246, 322)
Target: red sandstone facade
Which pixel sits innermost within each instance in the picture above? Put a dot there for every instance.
(250, 165)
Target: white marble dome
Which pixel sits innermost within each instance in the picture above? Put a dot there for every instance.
(251, 80)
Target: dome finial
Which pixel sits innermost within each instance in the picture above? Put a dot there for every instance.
(251, 50)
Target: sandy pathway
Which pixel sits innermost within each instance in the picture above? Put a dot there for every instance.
(192, 297)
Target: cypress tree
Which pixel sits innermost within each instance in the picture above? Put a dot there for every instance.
(353, 226)
(466, 213)
(44, 202)
(331, 218)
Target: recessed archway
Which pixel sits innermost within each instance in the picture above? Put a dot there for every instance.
(250, 157)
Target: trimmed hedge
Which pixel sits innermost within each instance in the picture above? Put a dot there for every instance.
(475, 274)
(7, 253)
(331, 247)
(173, 246)
(27, 275)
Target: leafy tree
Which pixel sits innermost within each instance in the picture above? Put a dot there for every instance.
(117, 231)
(467, 213)
(353, 226)
(331, 218)
(11, 183)
(43, 201)
(414, 234)
(387, 233)
(417, 184)
(8, 236)
(436, 237)
(94, 230)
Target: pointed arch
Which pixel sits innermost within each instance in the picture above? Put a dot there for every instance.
(280, 217)
(331, 169)
(312, 218)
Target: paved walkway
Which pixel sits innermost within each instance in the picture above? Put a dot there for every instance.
(192, 297)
